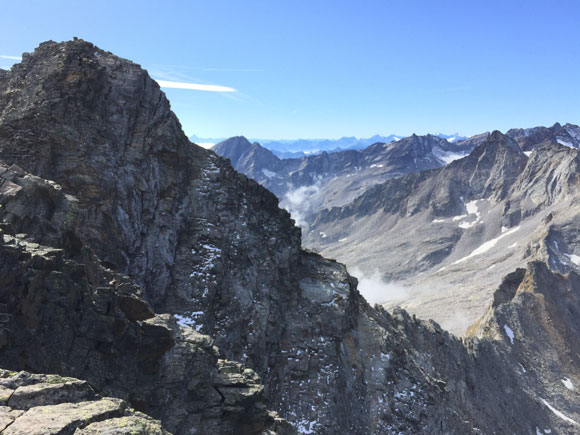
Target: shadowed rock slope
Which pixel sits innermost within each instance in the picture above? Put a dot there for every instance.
(146, 266)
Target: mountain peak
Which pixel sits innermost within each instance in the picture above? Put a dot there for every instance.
(500, 140)
(234, 142)
(496, 135)
(240, 151)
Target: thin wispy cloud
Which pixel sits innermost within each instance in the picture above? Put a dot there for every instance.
(194, 86)
(234, 69)
(3, 56)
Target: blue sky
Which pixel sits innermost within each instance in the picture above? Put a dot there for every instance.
(311, 69)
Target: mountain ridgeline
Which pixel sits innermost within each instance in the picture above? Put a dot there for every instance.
(310, 184)
(296, 148)
(151, 288)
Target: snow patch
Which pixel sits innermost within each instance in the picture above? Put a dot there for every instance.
(466, 225)
(573, 258)
(509, 333)
(487, 245)
(343, 239)
(528, 153)
(565, 143)
(471, 207)
(436, 221)
(305, 426)
(568, 383)
(190, 321)
(559, 414)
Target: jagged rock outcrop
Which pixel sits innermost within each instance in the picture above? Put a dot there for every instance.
(146, 266)
(531, 138)
(51, 404)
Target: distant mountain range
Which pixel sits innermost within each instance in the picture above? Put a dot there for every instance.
(421, 212)
(295, 148)
(309, 184)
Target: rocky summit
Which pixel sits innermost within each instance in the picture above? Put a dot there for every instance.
(147, 287)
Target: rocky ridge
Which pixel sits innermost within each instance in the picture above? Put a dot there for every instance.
(146, 266)
(531, 138)
(297, 148)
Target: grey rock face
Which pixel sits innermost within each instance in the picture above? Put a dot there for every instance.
(50, 404)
